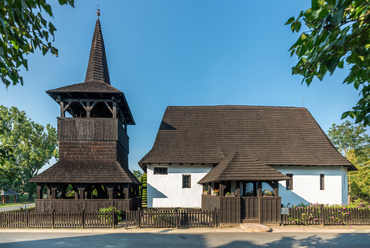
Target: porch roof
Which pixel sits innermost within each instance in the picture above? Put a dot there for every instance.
(86, 172)
(8, 191)
(242, 167)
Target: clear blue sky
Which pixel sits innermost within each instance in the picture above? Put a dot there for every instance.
(182, 53)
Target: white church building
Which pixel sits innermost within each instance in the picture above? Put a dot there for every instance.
(247, 152)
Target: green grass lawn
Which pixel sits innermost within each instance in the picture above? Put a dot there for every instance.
(23, 199)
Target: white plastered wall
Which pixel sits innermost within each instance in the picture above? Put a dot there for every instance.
(166, 191)
(306, 185)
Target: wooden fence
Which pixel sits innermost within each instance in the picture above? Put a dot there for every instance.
(22, 219)
(228, 207)
(140, 218)
(321, 215)
(172, 218)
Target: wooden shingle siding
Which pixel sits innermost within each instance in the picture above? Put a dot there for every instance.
(88, 150)
(90, 129)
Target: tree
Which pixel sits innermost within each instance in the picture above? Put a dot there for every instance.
(353, 143)
(338, 31)
(359, 181)
(8, 171)
(138, 174)
(23, 29)
(33, 146)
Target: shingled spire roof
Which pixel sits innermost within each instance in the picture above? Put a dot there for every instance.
(97, 69)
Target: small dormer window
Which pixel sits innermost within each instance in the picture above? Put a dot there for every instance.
(160, 171)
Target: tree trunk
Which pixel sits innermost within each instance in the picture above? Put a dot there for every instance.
(30, 198)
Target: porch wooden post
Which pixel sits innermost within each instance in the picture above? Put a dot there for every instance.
(209, 189)
(110, 189)
(53, 192)
(76, 194)
(222, 189)
(3, 198)
(39, 191)
(259, 191)
(126, 191)
(237, 189)
(276, 188)
(62, 109)
(48, 191)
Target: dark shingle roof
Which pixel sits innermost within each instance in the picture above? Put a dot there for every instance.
(273, 135)
(8, 191)
(85, 172)
(86, 87)
(97, 69)
(97, 83)
(241, 167)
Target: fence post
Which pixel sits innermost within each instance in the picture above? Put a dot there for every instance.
(177, 218)
(52, 218)
(113, 217)
(83, 218)
(27, 211)
(138, 217)
(322, 214)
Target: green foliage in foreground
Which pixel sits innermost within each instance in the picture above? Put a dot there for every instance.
(24, 29)
(108, 211)
(32, 146)
(353, 142)
(336, 31)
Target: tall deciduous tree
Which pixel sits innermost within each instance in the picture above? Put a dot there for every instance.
(8, 171)
(353, 142)
(24, 29)
(337, 31)
(33, 145)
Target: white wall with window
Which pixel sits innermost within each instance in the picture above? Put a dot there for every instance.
(178, 188)
(324, 185)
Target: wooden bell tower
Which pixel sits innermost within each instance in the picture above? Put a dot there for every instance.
(92, 171)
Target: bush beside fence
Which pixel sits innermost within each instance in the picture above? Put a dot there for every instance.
(324, 215)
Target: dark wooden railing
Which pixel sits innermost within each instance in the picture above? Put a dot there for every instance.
(82, 219)
(171, 218)
(140, 218)
(89, 205)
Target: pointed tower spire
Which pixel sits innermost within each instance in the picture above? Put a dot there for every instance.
(97, 69)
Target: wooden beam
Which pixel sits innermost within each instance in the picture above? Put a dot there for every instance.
(110, 109)
(87, 99)
(62, 109)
